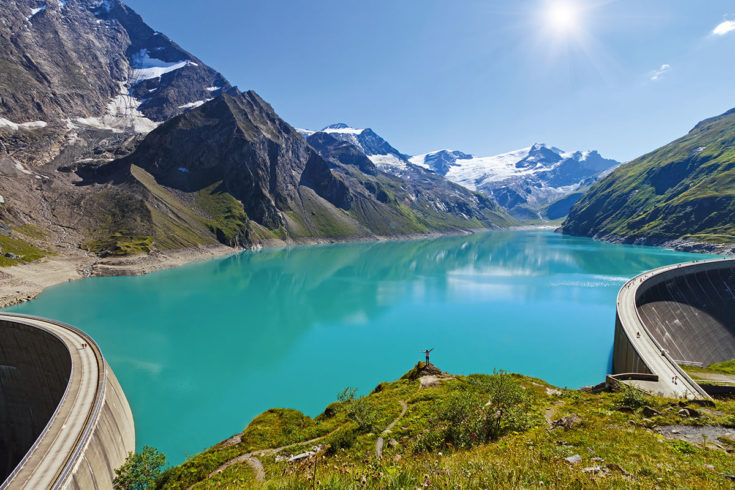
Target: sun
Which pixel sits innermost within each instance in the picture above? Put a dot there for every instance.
(562, 16)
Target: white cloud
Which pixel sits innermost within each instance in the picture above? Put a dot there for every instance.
(724, 28)
(656, 75)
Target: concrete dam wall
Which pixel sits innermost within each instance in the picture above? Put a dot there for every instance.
(679, 314)
(64, 419)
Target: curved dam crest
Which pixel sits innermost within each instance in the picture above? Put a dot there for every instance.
(674, 315)
(202, 349)
(64, 419)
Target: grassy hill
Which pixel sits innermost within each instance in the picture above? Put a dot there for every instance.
(684, 190)
(475, 431)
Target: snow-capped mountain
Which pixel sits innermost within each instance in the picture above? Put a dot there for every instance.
(522, 181)
(379, 151)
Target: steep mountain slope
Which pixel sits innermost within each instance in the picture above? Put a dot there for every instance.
(682, 191)
(252, 177)
(73, 68)
(379, 151)
(521, 181)
(169, 154)
(429, 201)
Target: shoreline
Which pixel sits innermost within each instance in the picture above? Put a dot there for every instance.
(24, 282)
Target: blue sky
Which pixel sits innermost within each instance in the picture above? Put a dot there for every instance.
(484, 77)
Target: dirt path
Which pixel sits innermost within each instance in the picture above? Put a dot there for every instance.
(380, 442)
(248, 458)
(720, 378)
(252, 457)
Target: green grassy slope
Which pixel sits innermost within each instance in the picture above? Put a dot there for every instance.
(685, 189)
(474, 431)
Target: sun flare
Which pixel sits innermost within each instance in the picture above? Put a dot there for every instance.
(562, 16)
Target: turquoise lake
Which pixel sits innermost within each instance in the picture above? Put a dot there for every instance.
(201, 349)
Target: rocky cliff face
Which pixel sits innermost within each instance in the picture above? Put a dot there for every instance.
(115, 139)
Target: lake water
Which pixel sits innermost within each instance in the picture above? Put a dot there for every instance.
(201, 349)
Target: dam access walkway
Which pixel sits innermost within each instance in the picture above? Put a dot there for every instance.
(70, 451)
(678, 314)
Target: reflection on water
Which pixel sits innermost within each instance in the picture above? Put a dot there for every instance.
(202, 349)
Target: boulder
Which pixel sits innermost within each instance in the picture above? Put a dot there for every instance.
(568, 422)
(573, 459)
(650, 412)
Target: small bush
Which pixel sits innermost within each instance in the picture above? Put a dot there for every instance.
(140, 470)
(360, 412)
(343, 439)
(347, 395)
(471, 417)
(683, 447)
(633, 398)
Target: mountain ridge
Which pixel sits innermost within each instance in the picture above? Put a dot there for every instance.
(679, 195)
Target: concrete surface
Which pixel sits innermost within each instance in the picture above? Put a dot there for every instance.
(676, 314)
(65, 399)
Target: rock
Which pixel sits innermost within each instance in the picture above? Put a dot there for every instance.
(597, 459)
(650, 412)
(553, 392)
(625, 409)
(594, 470)
(598, 388)
(393, 443)
(567, 422)
(573, 459)
(683, 413)
(10, 255)
(728, 476)
(618, 468)
(5, 229)
(693, 413)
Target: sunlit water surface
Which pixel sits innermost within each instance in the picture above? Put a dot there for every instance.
(201, 349)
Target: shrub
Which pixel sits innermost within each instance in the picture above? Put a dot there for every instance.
(140, 470)
(347, 395)
(471, 417)
(343, 439)
(633, 398)
(360, 412)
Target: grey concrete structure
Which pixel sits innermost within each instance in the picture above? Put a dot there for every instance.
(64, 419)
(679, 314)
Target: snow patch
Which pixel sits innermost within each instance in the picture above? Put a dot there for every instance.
(184, 170)
(122, 114)
(4, 123)
(146, 67)
(36, 11)
(343, 130)
(305, 132)
(192, 105)
(22, 169)
(387, 161)
(2, 200)
(213, 89)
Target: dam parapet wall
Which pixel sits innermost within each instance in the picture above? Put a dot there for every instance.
(678, 314)
(64, 419)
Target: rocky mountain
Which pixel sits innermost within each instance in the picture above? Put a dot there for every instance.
(678, 194)
(116, 140)
(524, 181)
(432, 201)
(378, 150)
(250, 177)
